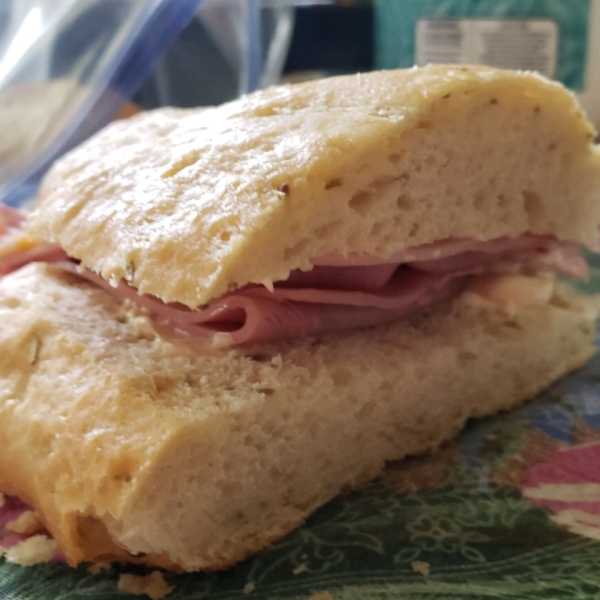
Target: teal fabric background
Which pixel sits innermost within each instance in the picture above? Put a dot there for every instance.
(395, 22)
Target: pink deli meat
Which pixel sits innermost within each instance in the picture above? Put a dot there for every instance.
(339, 293)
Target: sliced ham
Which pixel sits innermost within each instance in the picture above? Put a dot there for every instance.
(16, 248)
(254, 314)
(339, 293)
(11, 218)
(453, 254)
(40, 253)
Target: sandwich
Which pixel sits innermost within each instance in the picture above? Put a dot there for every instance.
(216, 320)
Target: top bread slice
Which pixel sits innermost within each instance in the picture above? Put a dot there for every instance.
(188, 204)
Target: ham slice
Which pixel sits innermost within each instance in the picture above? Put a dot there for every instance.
(254, 314)
(540, 252)
(16, 247)
(339, 293)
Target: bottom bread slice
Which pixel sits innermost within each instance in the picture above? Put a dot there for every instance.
(135, 445)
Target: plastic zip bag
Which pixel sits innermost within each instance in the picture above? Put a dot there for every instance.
(66, 67)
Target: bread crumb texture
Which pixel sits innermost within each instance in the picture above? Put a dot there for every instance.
(195, 458)
(419, 566)
(189, 204)
(26, 523)
(33, 550)
(154, 585)
(299, 569)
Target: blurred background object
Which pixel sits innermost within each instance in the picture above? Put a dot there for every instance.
(558, 38)
(299, 38)
(67, 67)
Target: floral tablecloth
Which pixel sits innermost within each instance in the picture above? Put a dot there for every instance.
(509, 510)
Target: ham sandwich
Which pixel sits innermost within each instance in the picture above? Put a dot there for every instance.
(217, 319)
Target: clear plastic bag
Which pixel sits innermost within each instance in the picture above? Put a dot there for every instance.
(230, 47)
(66, 66)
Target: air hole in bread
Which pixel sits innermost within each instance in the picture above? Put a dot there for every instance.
(327, 230)
(296, 249)
(266, 391)
(148, 336)
(334, 183)
(502, 201)
(403, 202)
(164, 383)
(260, 358)
(424, 125)
(11, 303)
(394, 158)
(122, 477)
(187, 160)
(361, 202)
(376, 229)
(479, 201)
(465, 358)
(225, 236)
(414, 230)
(533, 205)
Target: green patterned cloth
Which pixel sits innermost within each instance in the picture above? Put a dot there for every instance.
(509, 511)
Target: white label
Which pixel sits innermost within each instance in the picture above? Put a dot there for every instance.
(530, 44)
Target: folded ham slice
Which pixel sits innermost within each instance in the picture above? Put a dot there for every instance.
(254, 314)
(16, 247)
(339, 293)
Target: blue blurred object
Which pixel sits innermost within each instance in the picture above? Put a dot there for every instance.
(66, 67)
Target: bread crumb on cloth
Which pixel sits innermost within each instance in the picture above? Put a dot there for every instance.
(154, 585)
(33, 550)
(419, 566)
(249, 588)
(98, 567)
(299, 569)
(321, 596)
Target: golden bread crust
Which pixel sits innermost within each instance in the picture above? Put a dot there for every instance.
(187, 204)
